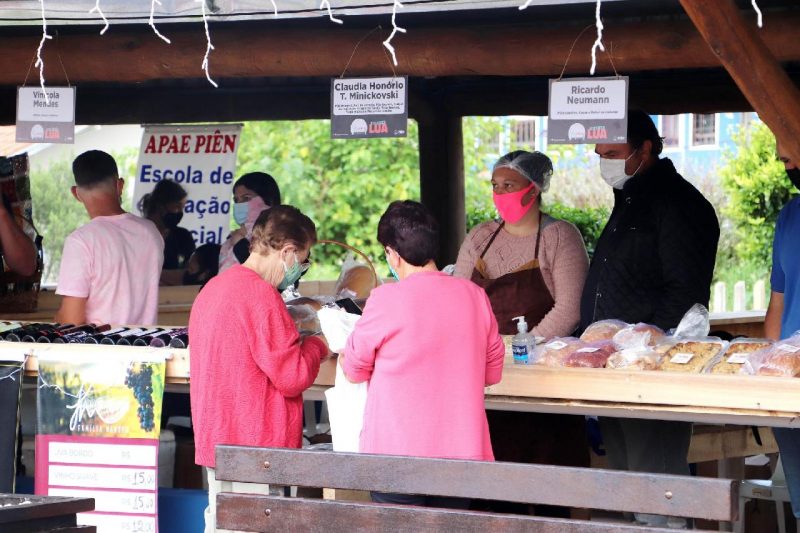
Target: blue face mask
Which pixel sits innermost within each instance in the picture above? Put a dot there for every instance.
(240, 210)
(392, 270)
(291, 274)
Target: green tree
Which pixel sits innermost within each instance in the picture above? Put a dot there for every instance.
(756, 189)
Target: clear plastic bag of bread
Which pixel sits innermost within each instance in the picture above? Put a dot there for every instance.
(555, 352)
(640, 334)
(694, 324)
(604, 330)
(356, 279)
(782, 359)
(591, 355)
(634, 352)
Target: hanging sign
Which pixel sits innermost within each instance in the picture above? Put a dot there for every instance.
(11, 363)
(363, 108)
(46, 115)
(588, 111)
(202, 159)
(98, 423)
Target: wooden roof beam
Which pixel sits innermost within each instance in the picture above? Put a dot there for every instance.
(743, 50)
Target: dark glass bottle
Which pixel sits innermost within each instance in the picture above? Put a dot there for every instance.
(163, 340)
(113, 339)
(180, 341)
(146, 340)
(77, 335)
(97, 339)
(129, 339)
(15, 335)
(33, 335)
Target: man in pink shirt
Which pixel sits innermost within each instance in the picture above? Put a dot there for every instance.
(110, 267)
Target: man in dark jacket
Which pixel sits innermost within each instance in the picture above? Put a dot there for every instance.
(653, 261)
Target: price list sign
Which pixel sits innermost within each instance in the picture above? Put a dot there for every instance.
(97, 434)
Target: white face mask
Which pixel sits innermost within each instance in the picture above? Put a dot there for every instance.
(613, 171)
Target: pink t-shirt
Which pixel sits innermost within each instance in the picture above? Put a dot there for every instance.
(428, 346)
(115, 263)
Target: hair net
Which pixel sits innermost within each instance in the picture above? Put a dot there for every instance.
(534, 166)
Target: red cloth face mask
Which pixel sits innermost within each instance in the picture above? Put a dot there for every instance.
(510, 206)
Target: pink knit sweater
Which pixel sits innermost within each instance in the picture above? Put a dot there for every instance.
(562, 258)
(249, 367)
(428, 346)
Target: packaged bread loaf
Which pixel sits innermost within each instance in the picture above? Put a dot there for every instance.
(781, 359)
(635, 358)
(737, 354)
(592, 355)
(691, 356)
(555, 352)
(638, 335)
(603, 330)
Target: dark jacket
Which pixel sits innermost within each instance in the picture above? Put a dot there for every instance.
(655, 257)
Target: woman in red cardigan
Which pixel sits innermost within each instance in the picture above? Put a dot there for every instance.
(249, 365)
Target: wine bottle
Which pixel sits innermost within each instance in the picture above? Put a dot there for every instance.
(113, 339)
(146, 340)
(96, 339)
(163, 340)
(33, 335)
(180, 341)
(53, 335)
(15, 335)
(128, 339)
(78, 335)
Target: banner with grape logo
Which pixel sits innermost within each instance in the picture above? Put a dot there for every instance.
(99, 419)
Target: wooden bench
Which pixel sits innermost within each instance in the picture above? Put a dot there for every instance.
(706, 498)
(20, 513)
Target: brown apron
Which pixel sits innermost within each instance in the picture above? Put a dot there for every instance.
(522, 292)
(528, 437)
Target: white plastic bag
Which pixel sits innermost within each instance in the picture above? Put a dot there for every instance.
(346, 404)
(336, 324)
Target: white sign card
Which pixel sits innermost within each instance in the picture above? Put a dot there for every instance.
(588, 111)
(201, 159)
(46, 116)
(363, 108)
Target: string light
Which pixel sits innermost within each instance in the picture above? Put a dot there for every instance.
(758, 12)
(395, 28)
(325, 4)
(153, 4)
(39, 61)
(525, 5)
(96, 9)
(275, 7)
(15, 372)
(598, 43)
(209, 46)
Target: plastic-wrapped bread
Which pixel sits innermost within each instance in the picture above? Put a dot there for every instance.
(691, 355)
(636, 358)
(781, 359)
(640, 334)
(592, 355)
(555, 352)
(603, 330)
(737, 354)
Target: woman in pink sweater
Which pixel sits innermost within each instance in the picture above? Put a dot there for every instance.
(428, 346)
(249, 366)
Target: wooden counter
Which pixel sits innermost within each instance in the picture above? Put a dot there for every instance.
(707, 398)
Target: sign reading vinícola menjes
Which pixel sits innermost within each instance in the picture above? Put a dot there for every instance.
(588, 111)
(362, 108)
(46, 115)
(98, 423)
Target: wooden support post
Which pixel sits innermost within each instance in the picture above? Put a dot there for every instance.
(441, 162)
(759, 75)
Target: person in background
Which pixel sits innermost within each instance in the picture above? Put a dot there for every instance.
(252, 193)
(427, 365)
(203, 265)
(110, 266)
(532, 265)
(16, 249)
(783, 313)
(249, 365)
(164, 207)
(654, 260)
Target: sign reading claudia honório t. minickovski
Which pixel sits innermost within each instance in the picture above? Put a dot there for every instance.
(362, 108)
(588, 110)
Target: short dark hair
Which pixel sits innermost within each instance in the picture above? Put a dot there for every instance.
(281, 225)
(93, 167)
(641, 128)
(164, 193)
(208, 258)
(411, 230)
(262, 184)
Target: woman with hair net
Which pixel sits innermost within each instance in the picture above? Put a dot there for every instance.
(531, 265)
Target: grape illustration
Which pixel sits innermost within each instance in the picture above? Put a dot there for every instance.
(140, 381)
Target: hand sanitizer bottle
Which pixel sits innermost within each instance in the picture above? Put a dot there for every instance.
(523, 345)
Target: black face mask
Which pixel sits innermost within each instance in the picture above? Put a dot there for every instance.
(171, 220)
(794, 176)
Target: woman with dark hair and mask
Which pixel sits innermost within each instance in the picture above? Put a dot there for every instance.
(252, 193)
(164, 207)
